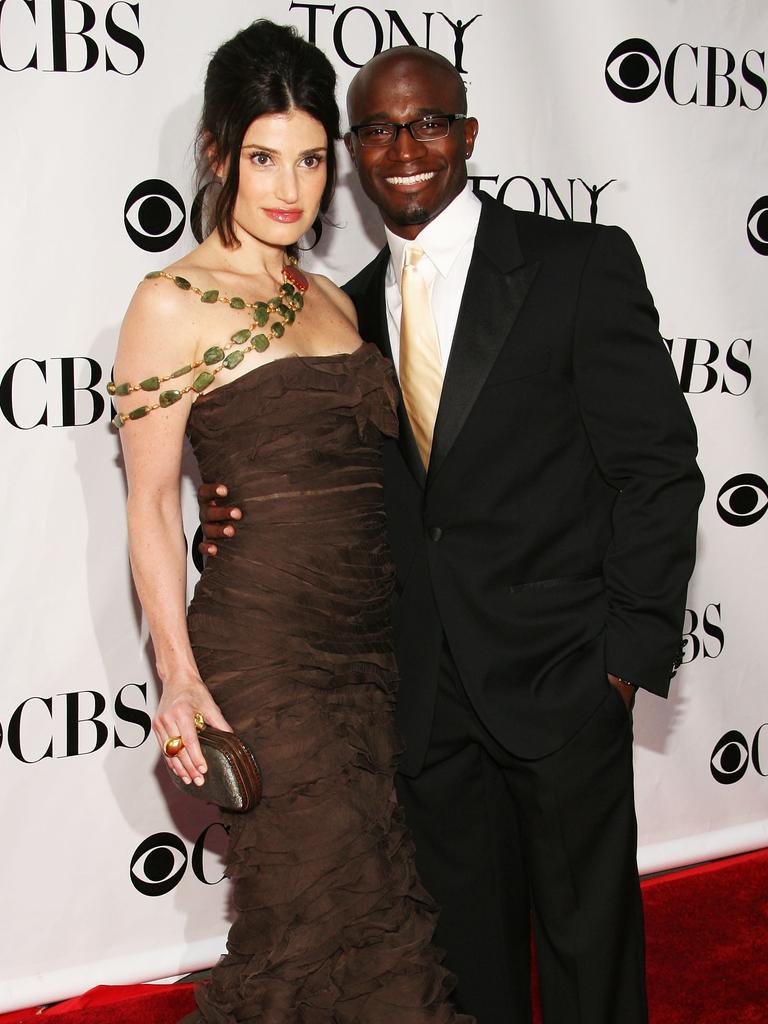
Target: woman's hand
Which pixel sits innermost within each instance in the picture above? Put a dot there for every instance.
(176, 717)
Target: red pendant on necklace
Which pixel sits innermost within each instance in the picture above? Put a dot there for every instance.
(295, 277)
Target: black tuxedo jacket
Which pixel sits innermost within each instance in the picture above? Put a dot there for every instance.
(552, 539)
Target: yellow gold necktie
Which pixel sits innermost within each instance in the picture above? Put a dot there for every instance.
(421, 370)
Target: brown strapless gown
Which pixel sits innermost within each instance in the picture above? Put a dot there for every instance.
(290, 628)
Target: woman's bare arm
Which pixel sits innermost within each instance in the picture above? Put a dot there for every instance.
(157, 337)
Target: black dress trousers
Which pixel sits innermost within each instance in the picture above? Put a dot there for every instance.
(501, 841)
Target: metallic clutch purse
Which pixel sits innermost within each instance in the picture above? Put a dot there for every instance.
(233, 779)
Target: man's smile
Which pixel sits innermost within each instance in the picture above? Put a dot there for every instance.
(411, 179)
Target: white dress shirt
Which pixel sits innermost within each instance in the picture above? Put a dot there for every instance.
(447, 242)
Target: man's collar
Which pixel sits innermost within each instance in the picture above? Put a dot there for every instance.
(444, 237)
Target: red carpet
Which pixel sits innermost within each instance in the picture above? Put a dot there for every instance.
(115, 1004)
(707, 938)
(707, 931)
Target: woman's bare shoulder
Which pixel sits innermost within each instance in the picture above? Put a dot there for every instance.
(165, 292)
(160, 327)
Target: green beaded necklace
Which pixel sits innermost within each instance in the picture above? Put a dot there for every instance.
(286, 304)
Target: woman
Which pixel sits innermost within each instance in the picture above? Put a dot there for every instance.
(287, 638)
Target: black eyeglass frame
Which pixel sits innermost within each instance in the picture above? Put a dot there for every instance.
(399, 125)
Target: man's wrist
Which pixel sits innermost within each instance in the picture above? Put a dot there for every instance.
(621, 681)
(626, 690)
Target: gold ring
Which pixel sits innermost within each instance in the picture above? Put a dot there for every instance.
(173, 746)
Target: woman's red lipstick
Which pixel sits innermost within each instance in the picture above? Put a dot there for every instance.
(284, 216)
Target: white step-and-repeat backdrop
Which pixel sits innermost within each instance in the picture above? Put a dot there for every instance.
(651, 114)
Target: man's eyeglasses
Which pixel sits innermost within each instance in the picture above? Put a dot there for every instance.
(423, 129)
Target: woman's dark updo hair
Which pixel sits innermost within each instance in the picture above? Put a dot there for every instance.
(265, 69)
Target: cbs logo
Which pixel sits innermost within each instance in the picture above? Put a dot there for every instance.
(160, 861)
(708, 76)
(757, 226)
(743, 500)
(698, 629)
(154, 215)
(633, 70)
(732, 755)
(52, 35)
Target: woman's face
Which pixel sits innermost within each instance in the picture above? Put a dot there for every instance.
(283, 171)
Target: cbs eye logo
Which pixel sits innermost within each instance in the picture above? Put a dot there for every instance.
(757, 226)
(743, 500)
(633, 70)
(197, 558)
(159, 861)
(732, 755)
(154, 215)
(730, 758)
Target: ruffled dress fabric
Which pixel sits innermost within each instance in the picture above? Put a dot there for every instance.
(290, 629)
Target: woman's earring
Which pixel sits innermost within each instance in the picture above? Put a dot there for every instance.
(317, 227)
(196, 210)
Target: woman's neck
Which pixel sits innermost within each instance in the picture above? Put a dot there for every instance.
(250, 259)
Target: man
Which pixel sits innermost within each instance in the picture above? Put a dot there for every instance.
(542, 513)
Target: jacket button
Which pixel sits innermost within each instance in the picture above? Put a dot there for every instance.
(435, 533)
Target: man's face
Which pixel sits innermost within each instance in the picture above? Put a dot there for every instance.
(411, 182)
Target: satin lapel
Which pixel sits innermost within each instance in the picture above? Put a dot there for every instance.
(371, 311)
(497, 284)
(372, 324)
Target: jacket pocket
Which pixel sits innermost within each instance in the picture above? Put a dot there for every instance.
(556, 581)
(526, 364)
